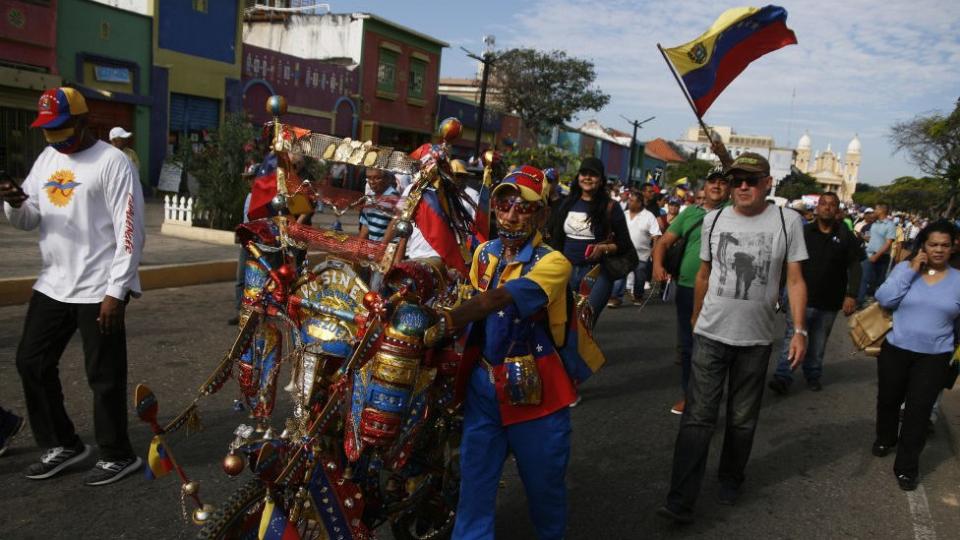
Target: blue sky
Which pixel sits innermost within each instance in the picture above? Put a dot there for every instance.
(859, 66)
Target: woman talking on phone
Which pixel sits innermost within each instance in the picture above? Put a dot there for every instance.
(587, 227)
(924, 294)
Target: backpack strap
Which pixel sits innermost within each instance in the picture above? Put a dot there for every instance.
(710, 236)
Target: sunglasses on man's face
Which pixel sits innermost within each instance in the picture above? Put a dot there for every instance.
(505, 204)
(751, 180)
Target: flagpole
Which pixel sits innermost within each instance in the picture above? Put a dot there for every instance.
(724, 155)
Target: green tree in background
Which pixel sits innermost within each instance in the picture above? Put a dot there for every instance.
(932, 143)
(545, 89)
(218, 168)
(693, 170)
(796, 184)
(907, 194)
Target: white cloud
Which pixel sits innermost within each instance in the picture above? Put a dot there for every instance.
(859, 66)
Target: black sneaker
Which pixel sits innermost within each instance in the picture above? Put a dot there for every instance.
(778, 385)
(108, 472)
(55, 460)
(681, 517)
(727, 495)
(10, 426)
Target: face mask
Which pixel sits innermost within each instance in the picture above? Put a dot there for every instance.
(65, 141)
(514, 235)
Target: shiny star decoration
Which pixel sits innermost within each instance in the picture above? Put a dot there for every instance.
(539, 348)
(501, 314)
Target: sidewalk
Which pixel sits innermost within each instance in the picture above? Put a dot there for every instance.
(167, 261)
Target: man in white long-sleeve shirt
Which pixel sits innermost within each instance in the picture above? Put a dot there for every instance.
(84, 196)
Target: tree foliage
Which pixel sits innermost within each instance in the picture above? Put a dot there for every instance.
(907, 194)
(546, 89)
(932, 143)
(218, 168)
(542, 157)
(694, 170)
(796, 184)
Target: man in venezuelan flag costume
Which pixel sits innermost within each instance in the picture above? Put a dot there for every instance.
(525, 353)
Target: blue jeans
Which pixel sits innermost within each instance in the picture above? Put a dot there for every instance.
(819, 325)
(744, 369)
(600, 293)
(640, 275)
(873, 276)
(684, 300)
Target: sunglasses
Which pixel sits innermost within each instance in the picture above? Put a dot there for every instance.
(505, 204)
(751, 180)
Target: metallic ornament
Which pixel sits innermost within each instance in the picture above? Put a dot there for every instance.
(279, 203)
(371, 300)
(450, 129)
(191, 488)
(233, 464)
(277, 105)
(403, 228)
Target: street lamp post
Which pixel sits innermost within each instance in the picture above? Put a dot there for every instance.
(633, 143)
(486, 61)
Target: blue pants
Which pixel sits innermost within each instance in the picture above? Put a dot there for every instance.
(684, 300)
(872, 278)
(600, 294)
(819, 325)
(640, 275)
(541, 448)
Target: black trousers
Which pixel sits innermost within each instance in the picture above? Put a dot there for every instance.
(913, 379)
(47, 330)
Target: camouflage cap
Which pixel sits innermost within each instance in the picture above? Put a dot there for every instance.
(750, 162)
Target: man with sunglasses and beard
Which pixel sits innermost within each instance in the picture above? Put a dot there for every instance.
(517, 366)
(734, 330)
(84, 196)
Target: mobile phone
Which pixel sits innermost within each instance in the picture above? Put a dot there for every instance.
(589, 251)
(4, 176)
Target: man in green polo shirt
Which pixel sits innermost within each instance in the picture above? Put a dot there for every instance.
(688, 224)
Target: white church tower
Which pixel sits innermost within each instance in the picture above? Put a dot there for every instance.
(851, 169)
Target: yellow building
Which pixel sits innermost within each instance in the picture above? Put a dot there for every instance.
(832, 173)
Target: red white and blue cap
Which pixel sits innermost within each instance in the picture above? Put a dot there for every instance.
(57, 106)
(529, 181)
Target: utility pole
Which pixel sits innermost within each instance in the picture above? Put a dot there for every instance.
(633, 143)
(486, 61)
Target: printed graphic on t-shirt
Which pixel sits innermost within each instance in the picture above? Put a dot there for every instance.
(744, 264)
(60, 187)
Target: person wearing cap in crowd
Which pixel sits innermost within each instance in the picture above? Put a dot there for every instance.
(673, 209)
(581, 229)
(120, 138)
(84, 196)
(734, 324)
(518, 391)
(715, 193)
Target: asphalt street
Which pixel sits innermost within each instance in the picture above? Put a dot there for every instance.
(811, 474)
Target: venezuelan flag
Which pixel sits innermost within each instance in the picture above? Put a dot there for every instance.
(431, 218)
(159, 463)
(274, 525)
(741, 35)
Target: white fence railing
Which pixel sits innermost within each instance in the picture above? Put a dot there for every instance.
(179, 210)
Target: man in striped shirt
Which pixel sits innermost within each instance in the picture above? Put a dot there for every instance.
(375, 218)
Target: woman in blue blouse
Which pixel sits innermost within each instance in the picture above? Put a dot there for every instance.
(924, 294)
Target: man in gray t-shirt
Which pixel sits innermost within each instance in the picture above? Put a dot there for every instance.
(744, 250)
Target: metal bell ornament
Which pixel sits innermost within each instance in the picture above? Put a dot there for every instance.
(279, 203)
(450, 129)
(233, 464)
(277, 105)
(202, 514)
(403, 228)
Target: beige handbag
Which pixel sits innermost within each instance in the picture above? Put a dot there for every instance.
(868, 327)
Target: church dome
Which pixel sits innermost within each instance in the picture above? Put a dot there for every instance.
(804, 143)
(854, 146)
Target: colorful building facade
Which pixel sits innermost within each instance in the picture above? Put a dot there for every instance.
(106, 53)
(320, 95)
(28, 66)
(197, 56)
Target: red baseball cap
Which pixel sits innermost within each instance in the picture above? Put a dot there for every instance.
(527, 180)
(57, 106)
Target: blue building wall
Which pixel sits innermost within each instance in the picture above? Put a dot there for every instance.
(210, 34)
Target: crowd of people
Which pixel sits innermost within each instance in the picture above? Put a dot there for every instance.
(729, 259)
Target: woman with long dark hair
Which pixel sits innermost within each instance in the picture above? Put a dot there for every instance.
(587, 227)
(924, 294)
